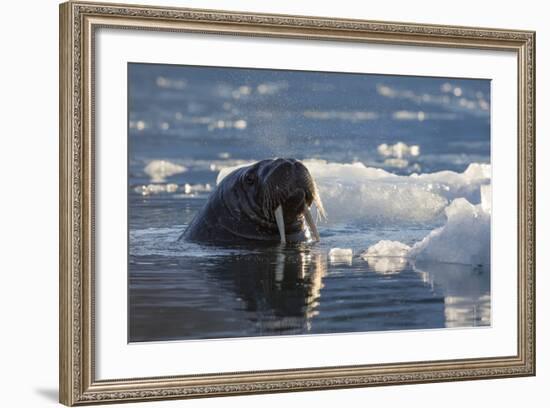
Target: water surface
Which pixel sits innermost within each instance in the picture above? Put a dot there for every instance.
(191, 122)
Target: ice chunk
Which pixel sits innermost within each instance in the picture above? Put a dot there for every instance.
(399, 150)
(156, 189)
(340, 255)
(486, 198)
(387, 257)
(464, 239)
(451, 185)
(193, 189)
(227, 124)
(188, 189)
(170, 83)
(387, 248)
(354, 192)
(158, 170)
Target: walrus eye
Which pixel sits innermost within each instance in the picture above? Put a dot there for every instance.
(250, 179)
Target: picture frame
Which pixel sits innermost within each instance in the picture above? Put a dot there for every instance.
(79, 24)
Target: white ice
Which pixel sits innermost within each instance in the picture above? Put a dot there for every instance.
(465, 238)
(399, 150)
(340, 255)
(149, 189)
(160, 188)
(355, 192)
(386, 248)
(158, 170)
(387, 257)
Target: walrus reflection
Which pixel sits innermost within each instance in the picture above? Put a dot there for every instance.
(282, 289)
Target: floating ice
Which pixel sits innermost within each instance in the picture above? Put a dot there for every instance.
(486, 198)
(149, 189)
(169, 83)
(193, 189)
(451, 185)
(239, 124)
(139, 124)
(399, 150)
(446, 87)
(188, 189)
(158, 170)
(387, 257)
(356, 193)
(340, 255)
(387, 248)
(464, 239)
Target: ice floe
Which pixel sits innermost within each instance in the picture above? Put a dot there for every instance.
(387, 257)
(340, 256)
(187, 189)
(159, 170)
(399, 150)
(464, 239)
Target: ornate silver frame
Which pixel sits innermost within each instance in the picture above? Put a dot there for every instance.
(78, 22)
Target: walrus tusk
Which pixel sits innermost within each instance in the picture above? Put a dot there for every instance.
(311, 224)
(280, 223)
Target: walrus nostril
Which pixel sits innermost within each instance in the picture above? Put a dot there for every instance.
(280, 173)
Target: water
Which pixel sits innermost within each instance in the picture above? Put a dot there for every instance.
(186, 124)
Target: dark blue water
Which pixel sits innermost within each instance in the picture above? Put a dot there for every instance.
(188, 123)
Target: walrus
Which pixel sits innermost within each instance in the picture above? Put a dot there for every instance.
(268, 201)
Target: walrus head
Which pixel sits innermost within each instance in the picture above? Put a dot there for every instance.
(279, 194)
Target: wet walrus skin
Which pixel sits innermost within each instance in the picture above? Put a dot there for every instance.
(251, 203)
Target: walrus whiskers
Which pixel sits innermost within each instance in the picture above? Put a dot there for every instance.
(311, 224)
(321, 214)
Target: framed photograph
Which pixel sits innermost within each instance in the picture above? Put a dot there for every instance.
(256, 203)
